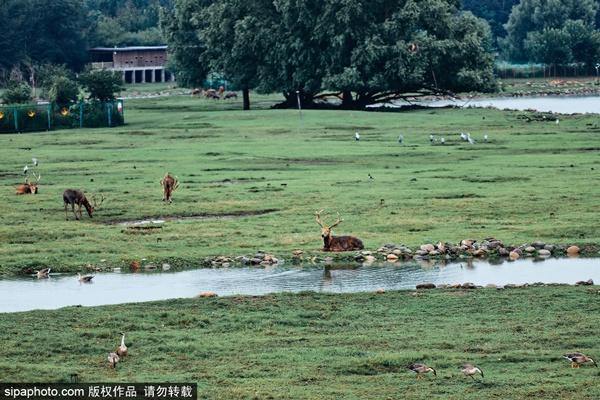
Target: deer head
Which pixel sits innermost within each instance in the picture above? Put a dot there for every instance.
(33, 187)
(326, 230)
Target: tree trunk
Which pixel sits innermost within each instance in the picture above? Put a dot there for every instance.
(246, 96)
(347, 101)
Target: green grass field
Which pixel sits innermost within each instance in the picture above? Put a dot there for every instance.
(317, 346)
(532, 180)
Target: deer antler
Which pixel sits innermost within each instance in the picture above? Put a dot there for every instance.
(339, 221)
(318, 218)
(176, 185)
(95, 201)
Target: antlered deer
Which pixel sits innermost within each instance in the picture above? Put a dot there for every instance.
(28, 187)
(74, 197)
(337, 243)
(169, 185)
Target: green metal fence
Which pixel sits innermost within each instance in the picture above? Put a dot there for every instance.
(45, 117)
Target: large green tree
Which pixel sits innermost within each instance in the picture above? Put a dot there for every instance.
(237, 37)
(553, 32)
(181, 27)
(365, 51)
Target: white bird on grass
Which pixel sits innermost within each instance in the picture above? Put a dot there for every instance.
(485, 138)
(442, 140)
(401, 139)
(557, 121)
(431, 138)
(35, 161)
(357, 136)
(470, 139)
(25, 169)
(464, 136)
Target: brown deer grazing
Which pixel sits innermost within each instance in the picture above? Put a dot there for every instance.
(74, 197)
(28, 187)
(337, 243)
(169, 185)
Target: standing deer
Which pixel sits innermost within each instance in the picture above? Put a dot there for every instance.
(74, 197)
(337, 243)
(169, 185)
(28, 187)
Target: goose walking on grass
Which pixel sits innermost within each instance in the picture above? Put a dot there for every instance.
(122, 349)
(470, 370)
(421, 369)
(113, 359)
(577, 359)
(43, 273)
(84, 278)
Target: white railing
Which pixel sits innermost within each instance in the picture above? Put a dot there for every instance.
(102, 65)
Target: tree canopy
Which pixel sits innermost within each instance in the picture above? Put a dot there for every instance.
(365, 51)
(36, 31)
(495, 12)
(553, 32)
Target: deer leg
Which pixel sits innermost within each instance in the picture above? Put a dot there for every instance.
(74, 212)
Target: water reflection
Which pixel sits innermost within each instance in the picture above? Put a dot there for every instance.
(558, 104)
(112, 288)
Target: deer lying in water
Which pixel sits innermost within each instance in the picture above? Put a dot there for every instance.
(28, 187)
(169, 185)
(337, 243)
(74, 197)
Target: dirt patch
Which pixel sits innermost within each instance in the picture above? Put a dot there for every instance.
(157, 221)
(457, 196)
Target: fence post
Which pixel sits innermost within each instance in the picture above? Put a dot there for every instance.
(16, 117)
(81, 114)
(109, 109)
(48, 111)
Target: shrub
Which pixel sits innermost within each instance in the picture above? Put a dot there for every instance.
(101, 85)
(63, 91)
(17, 92)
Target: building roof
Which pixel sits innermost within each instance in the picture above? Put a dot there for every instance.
(131, 48)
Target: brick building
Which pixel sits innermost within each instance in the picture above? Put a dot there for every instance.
(138, 64)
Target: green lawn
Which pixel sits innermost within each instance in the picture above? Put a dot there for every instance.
(532, 180)
(318, 346)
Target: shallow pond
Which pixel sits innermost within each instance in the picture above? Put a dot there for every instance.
(557, 104)
(112, 288)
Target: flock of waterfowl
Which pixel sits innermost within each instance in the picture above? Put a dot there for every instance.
(45, 273)
(470, 370)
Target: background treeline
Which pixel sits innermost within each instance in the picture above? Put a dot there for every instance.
(61, 31)
(353, 33)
